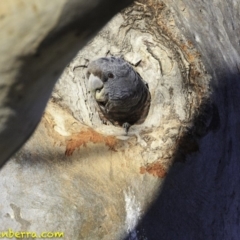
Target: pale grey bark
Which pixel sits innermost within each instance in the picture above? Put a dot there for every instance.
(82, 177)
(200, 198)
(38, 39)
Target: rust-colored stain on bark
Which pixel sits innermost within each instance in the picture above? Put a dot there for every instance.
(155, 168)
(82, 138)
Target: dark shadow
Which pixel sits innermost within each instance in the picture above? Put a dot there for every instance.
(55, 157)
(201, 193)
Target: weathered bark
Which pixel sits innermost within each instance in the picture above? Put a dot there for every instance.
(200, 198)
(38, 40)
(176, 175)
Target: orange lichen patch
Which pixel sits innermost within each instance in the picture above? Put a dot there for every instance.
(86, 136)
(155, 168)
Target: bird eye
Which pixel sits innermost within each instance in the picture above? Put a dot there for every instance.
(110, 75)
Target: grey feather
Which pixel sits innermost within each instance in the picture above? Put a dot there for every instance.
(122, 95)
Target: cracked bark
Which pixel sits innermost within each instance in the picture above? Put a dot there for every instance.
(176, 175)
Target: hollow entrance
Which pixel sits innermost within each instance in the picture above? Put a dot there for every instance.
(146, 36)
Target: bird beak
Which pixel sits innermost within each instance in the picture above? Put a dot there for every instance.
(95, 85)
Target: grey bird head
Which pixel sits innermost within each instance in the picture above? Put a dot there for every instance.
(122, 96)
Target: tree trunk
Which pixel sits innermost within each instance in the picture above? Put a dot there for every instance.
(173, 177)
(38, 40)
(200, 196)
